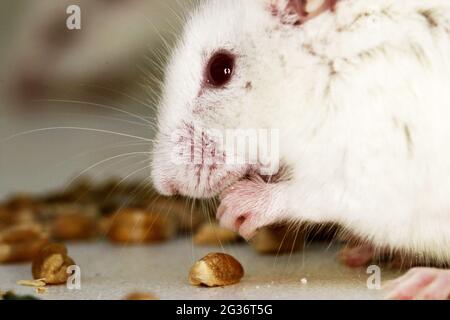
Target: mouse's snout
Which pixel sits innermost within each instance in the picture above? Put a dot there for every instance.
(169, 188)
(191, 161)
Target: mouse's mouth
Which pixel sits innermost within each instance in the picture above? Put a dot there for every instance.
(252, 173)
(279, 175)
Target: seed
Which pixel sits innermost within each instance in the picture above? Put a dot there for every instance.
(213, 234)
(21, 243)
(103, 225)
(20, 209)
(216, 269)
(74, 226)
(277, 239)
(21, 202)
(51, 264)
(188, 218)
(130, 226)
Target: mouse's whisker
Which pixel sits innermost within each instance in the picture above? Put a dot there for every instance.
(104, 161)
(96, 116)
(105, 148)
(123, 94)
(128, 176)
(23, 133)
(120, 164)
(98, 105)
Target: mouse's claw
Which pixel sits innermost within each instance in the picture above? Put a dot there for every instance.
(421, 284)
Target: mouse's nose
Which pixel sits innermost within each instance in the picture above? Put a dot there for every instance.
(170, 188)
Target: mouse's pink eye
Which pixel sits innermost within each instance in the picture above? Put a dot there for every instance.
(220, 69)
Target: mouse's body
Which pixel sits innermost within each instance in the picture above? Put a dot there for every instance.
(359, 93)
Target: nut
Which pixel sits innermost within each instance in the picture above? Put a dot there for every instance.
(51, 264)
(74, 226)
(278, 239)
(56, 210)
(216, 269)
(80, 190)
(21, 202)
(188, 217)
(21, 243)
(213, 234)
(103, 225)
(4, 217)
(130, 226)
(141, 296)
(20, 209)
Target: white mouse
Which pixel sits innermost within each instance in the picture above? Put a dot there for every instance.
(358, 91)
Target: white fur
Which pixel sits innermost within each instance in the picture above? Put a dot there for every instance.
(362, 100)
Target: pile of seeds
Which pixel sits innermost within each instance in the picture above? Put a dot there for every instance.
(32, 227)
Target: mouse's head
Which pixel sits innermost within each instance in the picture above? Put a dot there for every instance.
(224, 76)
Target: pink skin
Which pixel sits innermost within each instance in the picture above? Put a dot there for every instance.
(421, 284)
(356, 257)
(296, 12)
(250, 204)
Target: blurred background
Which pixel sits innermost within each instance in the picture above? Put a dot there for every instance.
(80, 101)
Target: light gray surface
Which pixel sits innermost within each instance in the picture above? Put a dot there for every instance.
(111, 272)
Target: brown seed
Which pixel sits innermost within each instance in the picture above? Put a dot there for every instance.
(278, 239)
(213, 234)
(21, 202)
(20, 209)
(80, 190)
(4, 216)
(21, 243)
(51, 264)
(56, 210)
(103, 225)
(21, 233)
(130, 226)
(141, 296)
(74, 226)
(189, 217)
(216, 269)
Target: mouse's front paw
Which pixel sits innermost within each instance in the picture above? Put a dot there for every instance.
(421, 284)
(246, 206)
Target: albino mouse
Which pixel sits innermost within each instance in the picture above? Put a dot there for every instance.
(359, 91)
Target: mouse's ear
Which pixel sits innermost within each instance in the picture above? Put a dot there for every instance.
(300, 11)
